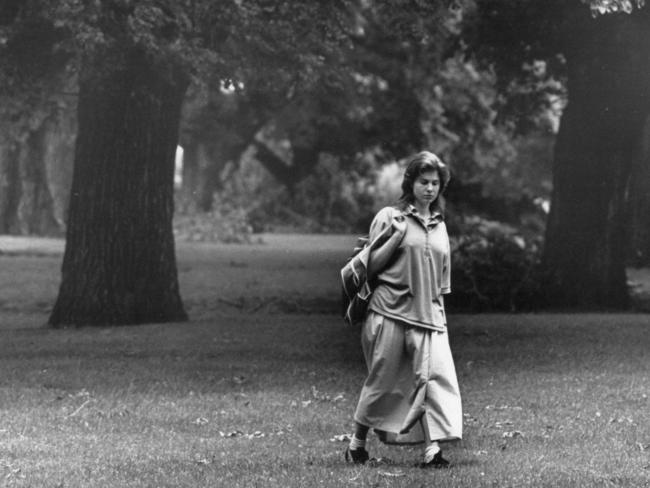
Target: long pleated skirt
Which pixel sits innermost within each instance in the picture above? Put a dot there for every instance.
(411, 391)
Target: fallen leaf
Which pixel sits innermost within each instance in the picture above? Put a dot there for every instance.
(392, 474)
(238, 433)
(512, 434)
(341, 438)
(201, 421)
(234, 433)
(469, 418)
(81, 407)
(255, 435)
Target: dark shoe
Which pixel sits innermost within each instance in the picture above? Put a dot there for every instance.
(356, 456)
(437, 462)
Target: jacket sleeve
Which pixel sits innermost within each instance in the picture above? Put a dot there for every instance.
(384, 241)
(380, 222)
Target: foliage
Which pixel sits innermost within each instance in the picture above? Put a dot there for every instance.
(366, 78)
(388, 110)
(33, 72)
(361, 101)
(276, 47)
(494, 267)
(610, 6)
(461, 121)
(223, 224)
(525, 42)
(331, 199)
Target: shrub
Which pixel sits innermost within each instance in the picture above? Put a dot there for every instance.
(331, 199)
(225, 223)
(493, 268)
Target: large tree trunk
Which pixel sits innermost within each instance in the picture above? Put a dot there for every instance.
(639, 205)
(119, 265)
(599, 138)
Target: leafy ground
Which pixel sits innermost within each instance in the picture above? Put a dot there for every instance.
(258, 388)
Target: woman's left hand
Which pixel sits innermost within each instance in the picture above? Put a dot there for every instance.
(399, 224)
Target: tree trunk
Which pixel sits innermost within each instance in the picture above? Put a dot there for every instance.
(639, 205)
(119, 265)
(599, 138)
(60, 134)
(302, 165)
(210, 177)
(36, 208)
(10, 187)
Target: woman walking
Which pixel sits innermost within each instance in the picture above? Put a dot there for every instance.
(411, 392)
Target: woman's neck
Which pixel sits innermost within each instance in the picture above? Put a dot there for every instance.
(423, 210)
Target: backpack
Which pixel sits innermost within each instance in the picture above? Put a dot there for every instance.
(355, 288)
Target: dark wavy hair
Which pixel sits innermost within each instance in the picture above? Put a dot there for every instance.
(421, 163)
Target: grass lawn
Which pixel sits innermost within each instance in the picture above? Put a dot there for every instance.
(256, 389)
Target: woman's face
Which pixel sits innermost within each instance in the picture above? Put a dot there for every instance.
(426, 188)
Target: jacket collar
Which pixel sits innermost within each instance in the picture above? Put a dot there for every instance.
(434, 218)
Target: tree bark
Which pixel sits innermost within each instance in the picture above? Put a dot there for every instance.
(10, 188)
(60, 134)
(599, 138)
(36, 208)
(210, 167)
(639, 205)
(119, 265)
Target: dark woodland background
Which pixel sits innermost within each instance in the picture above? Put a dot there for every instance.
(128, 125)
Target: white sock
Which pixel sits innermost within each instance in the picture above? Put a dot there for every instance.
(431, 450)
(357, 443)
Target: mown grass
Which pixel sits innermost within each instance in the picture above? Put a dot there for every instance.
(254, 390)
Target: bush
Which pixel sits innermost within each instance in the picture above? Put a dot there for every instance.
(225, 223)
(333, 199)
(493, 268)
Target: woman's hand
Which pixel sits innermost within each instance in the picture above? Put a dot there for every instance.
(399, 224)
